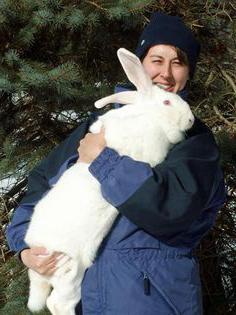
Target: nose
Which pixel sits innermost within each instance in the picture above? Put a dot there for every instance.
(191, 121)
(166, 71)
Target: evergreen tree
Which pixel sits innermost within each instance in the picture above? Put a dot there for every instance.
(58, 56)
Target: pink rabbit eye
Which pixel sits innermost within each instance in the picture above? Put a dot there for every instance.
(167, 102)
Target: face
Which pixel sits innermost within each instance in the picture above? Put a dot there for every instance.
(164, 68)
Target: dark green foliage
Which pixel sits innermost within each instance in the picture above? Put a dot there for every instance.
(57, 57)
(14, 289)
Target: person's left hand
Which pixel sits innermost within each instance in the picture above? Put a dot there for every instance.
(91, 146)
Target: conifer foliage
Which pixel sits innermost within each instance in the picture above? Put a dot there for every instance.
(57, 57)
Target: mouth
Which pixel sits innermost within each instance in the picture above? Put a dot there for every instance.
(166, 87)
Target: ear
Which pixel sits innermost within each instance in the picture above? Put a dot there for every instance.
(128, 97)
(134, 70)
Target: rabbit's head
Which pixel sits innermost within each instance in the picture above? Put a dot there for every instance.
(175, 113)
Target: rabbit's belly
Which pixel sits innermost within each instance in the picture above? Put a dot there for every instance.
(82, 230)
(67, 219)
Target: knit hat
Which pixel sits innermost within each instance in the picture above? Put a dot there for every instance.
(169, 30)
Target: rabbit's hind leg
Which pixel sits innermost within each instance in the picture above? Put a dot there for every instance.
(39, 291)
(66, 291)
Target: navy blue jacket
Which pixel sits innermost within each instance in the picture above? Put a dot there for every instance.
(145, 264)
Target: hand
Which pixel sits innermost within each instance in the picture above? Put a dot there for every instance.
(91, 146)
(38, 259)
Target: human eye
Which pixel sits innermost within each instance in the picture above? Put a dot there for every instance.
(177, 62)
(158, 61)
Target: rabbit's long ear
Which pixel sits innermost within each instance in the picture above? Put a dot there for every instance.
(134, 70)
(127, 97)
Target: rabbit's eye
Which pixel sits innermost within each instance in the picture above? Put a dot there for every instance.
(167, 102)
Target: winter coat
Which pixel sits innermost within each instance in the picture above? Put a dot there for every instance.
(146, 264)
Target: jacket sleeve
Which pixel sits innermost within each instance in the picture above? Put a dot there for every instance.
(165, 200)
(40, 180)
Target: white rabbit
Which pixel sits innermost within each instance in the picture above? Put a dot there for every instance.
(73, 218)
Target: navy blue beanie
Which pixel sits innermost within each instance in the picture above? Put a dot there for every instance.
(169, 30)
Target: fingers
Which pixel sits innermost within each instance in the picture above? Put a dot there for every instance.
(90, 135)
(57, 262)
(41, 260)
(91, 146)
(45, 269)
(62, 261)
(39, 251)
(63, 266)
(47, 264)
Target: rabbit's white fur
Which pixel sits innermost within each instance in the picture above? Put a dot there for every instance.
(73, 218)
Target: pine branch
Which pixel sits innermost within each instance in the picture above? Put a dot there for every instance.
(226, 121)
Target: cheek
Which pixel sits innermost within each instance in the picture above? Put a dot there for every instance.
(181, 77)
(151, 69)
(152, 73)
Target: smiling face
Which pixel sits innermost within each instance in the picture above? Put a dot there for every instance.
(165, 68)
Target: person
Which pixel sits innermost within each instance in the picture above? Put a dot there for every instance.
(146, 264)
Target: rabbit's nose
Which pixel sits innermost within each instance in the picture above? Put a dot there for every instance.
(191, 121)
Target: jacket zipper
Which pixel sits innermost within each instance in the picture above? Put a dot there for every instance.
(147, 291)
(146, 284)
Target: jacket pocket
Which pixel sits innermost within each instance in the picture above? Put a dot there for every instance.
(150, 290)
(151, 283)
